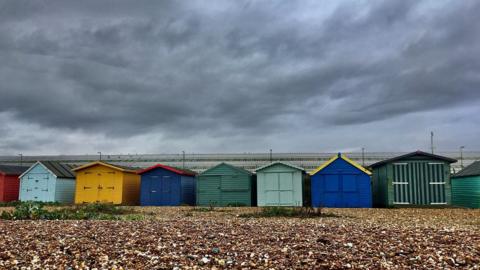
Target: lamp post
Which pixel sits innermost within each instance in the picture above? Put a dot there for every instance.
(363, 156)
(271, 157)
(21, 159)
(461, 156)
(100, 153)
(183, 159)
(431, 141)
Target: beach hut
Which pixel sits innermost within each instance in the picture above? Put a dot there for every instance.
(341, 182)
(280, 184)
(9, 182)
(48, 181)
(417, 178)
(163, 185)
(466, 187)
(225, 185)
(107, 183)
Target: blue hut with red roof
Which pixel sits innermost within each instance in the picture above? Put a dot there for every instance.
(163, 185)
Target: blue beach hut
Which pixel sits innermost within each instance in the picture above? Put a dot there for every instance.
(48, 181)
(163, 185)
(341, 182)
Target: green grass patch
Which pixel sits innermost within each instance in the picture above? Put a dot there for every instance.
(96, 211)
(16, 203)
(293, 212)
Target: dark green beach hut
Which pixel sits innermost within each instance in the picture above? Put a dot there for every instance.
(466, 187)
(225, 185)
(417, 178)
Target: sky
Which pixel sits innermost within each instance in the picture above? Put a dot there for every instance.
(77, 77)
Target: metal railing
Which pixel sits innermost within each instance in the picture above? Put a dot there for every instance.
(250, 161)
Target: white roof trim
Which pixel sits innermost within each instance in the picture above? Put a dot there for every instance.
(31, 167)
(280, 162)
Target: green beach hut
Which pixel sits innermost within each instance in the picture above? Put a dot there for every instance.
(225, 185)
(466, 187)
(413, 179)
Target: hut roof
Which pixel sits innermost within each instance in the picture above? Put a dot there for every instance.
(412, 154)
(61, 170)
(12, 169)
(340, 156)
(113, 166)
(282, 163)
(471, 170)
(169, 168)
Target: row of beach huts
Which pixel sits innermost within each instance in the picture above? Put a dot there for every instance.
(414, 179)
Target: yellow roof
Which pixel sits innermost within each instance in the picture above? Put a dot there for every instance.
(342, 156)
(116, 167)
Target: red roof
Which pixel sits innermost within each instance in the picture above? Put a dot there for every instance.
(172, 169)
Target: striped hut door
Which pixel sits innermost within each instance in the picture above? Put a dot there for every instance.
(401, 182)
(437, 183)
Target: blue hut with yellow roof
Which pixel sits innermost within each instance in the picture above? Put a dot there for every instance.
(341, 182)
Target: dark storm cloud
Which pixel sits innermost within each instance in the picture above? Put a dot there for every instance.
(123, 68)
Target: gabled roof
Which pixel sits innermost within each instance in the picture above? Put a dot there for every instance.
(471, 170)
(169, 168)
(113, 166)
(282, 163)
(416, 153)
(241, 170)
(12, 169)
(340, 156)
(58, 169)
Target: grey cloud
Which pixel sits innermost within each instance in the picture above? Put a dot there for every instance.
(122, 69)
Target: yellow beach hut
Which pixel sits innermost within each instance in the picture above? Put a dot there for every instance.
(106, 183)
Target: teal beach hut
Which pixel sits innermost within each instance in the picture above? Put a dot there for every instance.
(280, 184)
(466, 187)
(48, 181)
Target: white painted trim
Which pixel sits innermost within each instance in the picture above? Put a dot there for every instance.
(400, 164)
(31, 167)
(280, 162)
(437, 183)
(435, 163)
(400, 183)
(438, 203)
(401, 203)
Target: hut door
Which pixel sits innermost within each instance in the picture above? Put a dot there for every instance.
(216, 193)
(37, 188)
(349, 190)
(332, 195)
(166, 190)
(279, 188)
(285, 188)
(271, 189)
(106, 186)
(87, 187)
(27, 188)
(209, 192)
(437, 182)
(155, 189)
(401, 182)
